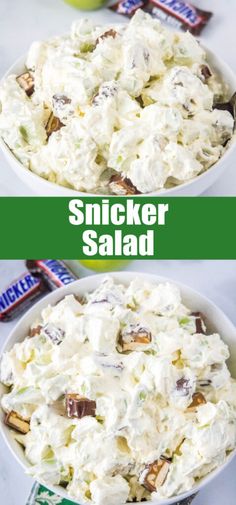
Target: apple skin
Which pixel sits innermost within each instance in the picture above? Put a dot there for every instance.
(86, 4)
(104, 265)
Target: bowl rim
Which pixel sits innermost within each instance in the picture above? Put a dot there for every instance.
(122, 277)
(220, 65)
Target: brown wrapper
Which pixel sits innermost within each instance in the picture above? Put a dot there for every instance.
(178, 14)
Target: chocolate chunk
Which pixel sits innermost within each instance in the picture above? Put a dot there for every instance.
(133, 338)
(199, 322)
(79, 406)
(55, 334)
(197, 399)
(26, 82)
(35, 331)
(205, 72)
(122, 186)
(109, 33)
(61, 100)
(230, 106)
(15, 421)
(203, 383)
(53, 125)
(155, 474)
(182, 386)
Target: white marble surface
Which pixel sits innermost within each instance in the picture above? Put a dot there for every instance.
(216, 279)
(22, 21)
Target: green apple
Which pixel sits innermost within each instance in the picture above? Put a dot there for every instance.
(86, 4)
(104, 265)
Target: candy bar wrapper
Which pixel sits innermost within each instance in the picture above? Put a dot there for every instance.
(40, 495)
(179, 14)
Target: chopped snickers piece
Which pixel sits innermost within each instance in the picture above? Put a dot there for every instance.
(55, 334)
(155, 474)
(197, 399)
(61, 100)
(132, 338)
(205, 72)
(230, 106)
(26, 82)
(53, 125)
(79, 406)
(199, 322)
(15, 421)
(35, 331)
(109, 33)
(122, 186)
(183, 386)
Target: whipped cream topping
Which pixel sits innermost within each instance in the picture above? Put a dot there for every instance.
(143, 396)
(131, 99)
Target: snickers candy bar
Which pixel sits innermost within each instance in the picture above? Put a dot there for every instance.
(55, 272)
(15, 421)
(122, 186)
(26, 82)
(179, 14)
(19, 295)
(199, 322)
(134, 338)
(79, 406)
(53, 125)
(197, 399)
(128, 8)
(154, 475)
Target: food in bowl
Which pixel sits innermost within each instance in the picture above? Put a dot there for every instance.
(122, 395)
(125, 109)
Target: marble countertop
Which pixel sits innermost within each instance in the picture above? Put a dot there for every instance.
(215, 279)
(23, 21)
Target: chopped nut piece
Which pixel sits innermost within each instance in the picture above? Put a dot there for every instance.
(197, 399)
(109, 33)
(53, 125)
(79, 406)
(35, 331)
(26, 82)
(199, 322)
(205, 72)
(134, 337)
(14, 420)
(155, 474)
(122, 186)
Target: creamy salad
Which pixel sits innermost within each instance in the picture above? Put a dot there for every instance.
(121, 109)
(123, 395)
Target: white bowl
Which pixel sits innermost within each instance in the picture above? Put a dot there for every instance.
(194, 187)
(215, 319)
